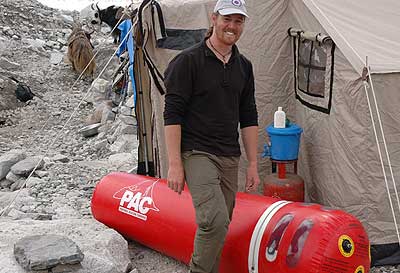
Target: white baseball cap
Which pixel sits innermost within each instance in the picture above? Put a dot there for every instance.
(227, 7)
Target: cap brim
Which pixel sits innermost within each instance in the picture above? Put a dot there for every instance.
(230, 11)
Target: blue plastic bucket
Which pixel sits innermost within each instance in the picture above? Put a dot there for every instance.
(285, 142)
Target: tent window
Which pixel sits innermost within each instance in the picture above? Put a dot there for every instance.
(168, 38)
(311, 67)
(180, 39)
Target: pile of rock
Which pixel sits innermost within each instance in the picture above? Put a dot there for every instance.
(15, 167)
(22, 20)
(117, 121)
(55, 200)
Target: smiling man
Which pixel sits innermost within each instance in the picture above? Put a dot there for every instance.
(210, 92)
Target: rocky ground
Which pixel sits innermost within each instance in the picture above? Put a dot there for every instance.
(32, 49)
(33, 42)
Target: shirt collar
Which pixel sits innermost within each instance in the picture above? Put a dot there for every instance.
(209, 53)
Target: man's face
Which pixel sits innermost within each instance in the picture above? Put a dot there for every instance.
(228, 28)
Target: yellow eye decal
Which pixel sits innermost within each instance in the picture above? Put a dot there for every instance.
(360, 269)
(346, 246)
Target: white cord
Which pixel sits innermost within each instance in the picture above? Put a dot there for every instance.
(386, 151)
(380, 153)
(373, 122)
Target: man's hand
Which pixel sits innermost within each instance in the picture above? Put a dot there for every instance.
(250, 139)
(252, 179)
(176, 174)
(176, 178)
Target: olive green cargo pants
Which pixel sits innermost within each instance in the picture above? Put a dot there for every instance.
(213, 183)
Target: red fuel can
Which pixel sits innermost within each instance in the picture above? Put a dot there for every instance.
(266, 235)
(290, 188)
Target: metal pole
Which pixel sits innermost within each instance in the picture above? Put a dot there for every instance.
(144, 134)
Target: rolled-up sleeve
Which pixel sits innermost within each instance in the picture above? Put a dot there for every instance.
(248, 110)
(178, 84)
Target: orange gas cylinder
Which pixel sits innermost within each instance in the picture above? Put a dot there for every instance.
(290, 188)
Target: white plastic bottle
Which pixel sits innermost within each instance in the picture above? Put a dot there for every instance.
(279, 118)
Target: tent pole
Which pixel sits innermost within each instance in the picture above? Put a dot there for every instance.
(142, 119)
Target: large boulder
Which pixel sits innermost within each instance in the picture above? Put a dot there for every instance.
(26, 166)
(8, 100)
(8, 159)
(104, 250)
(41, 252)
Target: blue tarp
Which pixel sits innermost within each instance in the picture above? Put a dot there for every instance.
(129, 44)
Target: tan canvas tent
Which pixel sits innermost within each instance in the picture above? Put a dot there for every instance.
(308, 57)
